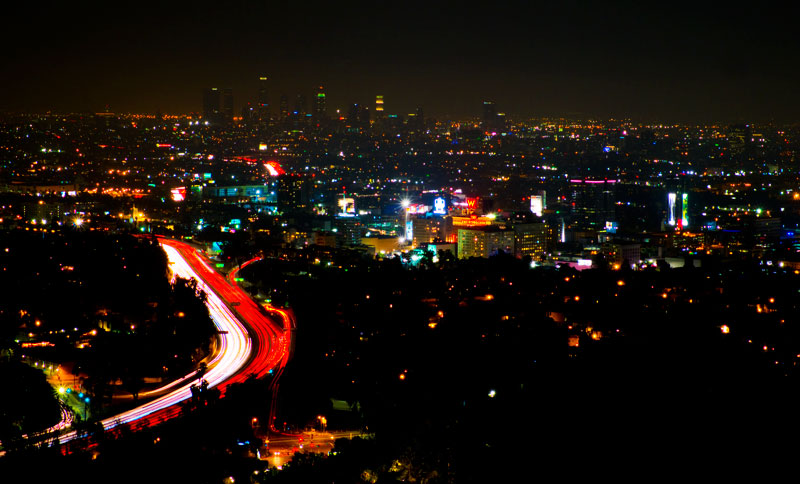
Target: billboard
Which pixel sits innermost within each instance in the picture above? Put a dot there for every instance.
(684, 210)
(347, 205)
(178, 194)
(472, 205)
(439, 206)
(671, 200)
(537, 205)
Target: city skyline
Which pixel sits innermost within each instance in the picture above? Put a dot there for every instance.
(675, 64)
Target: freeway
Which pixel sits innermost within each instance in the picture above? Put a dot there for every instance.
(256, 313)
(250, 342)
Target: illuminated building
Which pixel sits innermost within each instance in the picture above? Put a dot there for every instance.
(484, 241)
(538, 203)
(426, 229)
(320, 108)
(357, 117)
(293, 193)
(471, 222)
(260, 196)
(739, 138)
(218, 105)
(347, 206)
(323, 238)
(671, 199)
(382, 243)
(592, 202)
(489, 114)
(35, 211)
(618, 254)
(300, 105)
(378, 107)
(684, 210)
(530, 239)
(350, 230)
(262, 106)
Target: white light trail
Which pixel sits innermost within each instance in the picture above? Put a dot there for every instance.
(235, 347)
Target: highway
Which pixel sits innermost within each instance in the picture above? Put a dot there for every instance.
(250, 341)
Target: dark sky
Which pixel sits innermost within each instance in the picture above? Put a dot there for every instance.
(662, 61)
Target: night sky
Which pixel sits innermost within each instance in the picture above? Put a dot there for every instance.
(651, 61)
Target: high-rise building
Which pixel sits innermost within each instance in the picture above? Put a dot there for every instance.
(283, 106)
(489, 114)
(300, 107)
(378, 106)
(350, 230)
(293, 193)
(484, 241)
(212, 104)
(320, 109)
(592, 202)
(491, 119)
(262, 102)
(227, 105)
(426, 229)
(530, 239)
(357, 117)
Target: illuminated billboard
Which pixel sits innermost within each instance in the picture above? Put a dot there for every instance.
(684, 210)
(274, 168)
(439, 206)
(347, 205)
(537, 205)
(671, 199)
(178, 194)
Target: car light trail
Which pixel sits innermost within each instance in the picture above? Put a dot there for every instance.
(250, 342)
(235, 345)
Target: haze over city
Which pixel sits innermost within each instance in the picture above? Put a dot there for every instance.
(668, 62)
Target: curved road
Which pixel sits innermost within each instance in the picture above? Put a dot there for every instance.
(250, 342)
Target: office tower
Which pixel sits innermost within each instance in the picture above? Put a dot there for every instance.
(378, 107)
(489, 114)
(739, 138)
(358, 116)
(530, 239)
(320, 109)
(211, 104)
(425, 230)
(349, 230)
(300, 107)
(262, 102)
(227, 105)
(283, 106)
(294, 193)
(484, 241)
(592, 202)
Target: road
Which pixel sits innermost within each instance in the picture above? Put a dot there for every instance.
(250, 341)
(283, 448)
